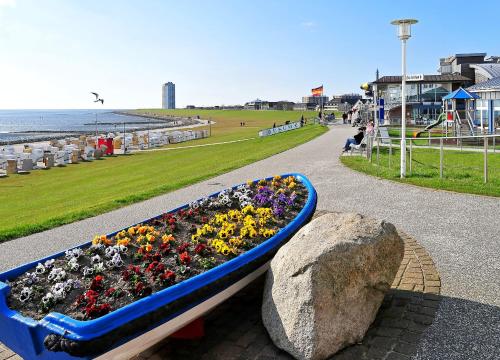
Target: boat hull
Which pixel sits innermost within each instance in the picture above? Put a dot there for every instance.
(128, 330)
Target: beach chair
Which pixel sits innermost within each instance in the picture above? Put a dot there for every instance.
(3, 166)
(60, 158)
(11, 166)
(359, 147)
(26, 166)
(88, 153)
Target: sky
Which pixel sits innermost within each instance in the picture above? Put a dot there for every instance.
(53, 53)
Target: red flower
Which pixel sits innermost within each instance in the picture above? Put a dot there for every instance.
(139, 287)
(185, 258)
(151, 267)
(168, 277)
(160, 268)
(182, 248)
(156, 256)
(97, 284)
(204, 219)
(109, 292)
(199, 248)
(171, 221)
(165, 248)
(125, 275)
(94, 311)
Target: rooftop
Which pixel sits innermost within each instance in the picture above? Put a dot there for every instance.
(492, 84)
(427, 78)
(489, 70)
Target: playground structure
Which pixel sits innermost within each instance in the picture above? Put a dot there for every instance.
(458, 114)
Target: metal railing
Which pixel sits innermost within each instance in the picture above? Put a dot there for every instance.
(444, 143)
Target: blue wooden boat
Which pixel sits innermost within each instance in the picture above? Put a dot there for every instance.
(139, 325)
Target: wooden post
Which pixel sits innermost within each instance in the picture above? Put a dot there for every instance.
(485, 159)
(441, 158)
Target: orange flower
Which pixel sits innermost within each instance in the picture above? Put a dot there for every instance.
(148, 247)
(150, 238)
(124, 241)
(131, 231)
(167, 238)
(143, 230)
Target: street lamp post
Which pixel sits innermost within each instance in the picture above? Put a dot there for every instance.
(404, 33)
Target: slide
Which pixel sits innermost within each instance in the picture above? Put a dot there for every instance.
(440, 119)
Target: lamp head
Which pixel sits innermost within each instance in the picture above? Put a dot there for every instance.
(404, 27)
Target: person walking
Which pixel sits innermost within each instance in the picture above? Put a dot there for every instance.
(344, 118)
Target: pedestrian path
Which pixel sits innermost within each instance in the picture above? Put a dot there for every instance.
(459, 231)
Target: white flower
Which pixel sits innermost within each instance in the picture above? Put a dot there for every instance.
(99, 267)
(123, 249)
(25, 294)
(40, 269)
(95, 259)
(88, 271)
(31, 278)
(48, 299)
(49, 264)
(56, 274)
(73, 264)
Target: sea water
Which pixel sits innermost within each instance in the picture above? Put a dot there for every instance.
(18, 125)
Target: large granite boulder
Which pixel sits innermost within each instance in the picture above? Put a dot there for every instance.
(326, 284)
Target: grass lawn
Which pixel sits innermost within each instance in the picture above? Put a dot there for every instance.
(46, 199)
(227, 122)
(463, 171)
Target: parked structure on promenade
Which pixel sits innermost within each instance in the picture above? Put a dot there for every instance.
(168, 96)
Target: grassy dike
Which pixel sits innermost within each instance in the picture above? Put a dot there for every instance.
(47, 199)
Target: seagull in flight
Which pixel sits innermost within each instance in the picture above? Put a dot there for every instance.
(97, 99)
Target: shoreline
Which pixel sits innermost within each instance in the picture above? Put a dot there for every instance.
(167, 124)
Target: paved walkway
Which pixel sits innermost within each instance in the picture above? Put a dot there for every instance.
(460, 231)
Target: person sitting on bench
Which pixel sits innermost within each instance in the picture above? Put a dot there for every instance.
(356, 139)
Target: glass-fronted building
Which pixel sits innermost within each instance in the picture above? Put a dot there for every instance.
(168, 96)
(424, 94)
(488, 104)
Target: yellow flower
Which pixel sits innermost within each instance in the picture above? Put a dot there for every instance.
(124, 241)
(96, 240)
(195, 238)
(249, 182)
(131, 231)
(277, 178)
(167, 238)
(291, 185)
(140, 238)
(249, 209)
(150, 238)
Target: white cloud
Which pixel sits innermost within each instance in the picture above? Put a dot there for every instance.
(8, 3)
(309, 25)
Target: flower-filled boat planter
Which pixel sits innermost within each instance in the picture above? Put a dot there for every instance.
(125, 291)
